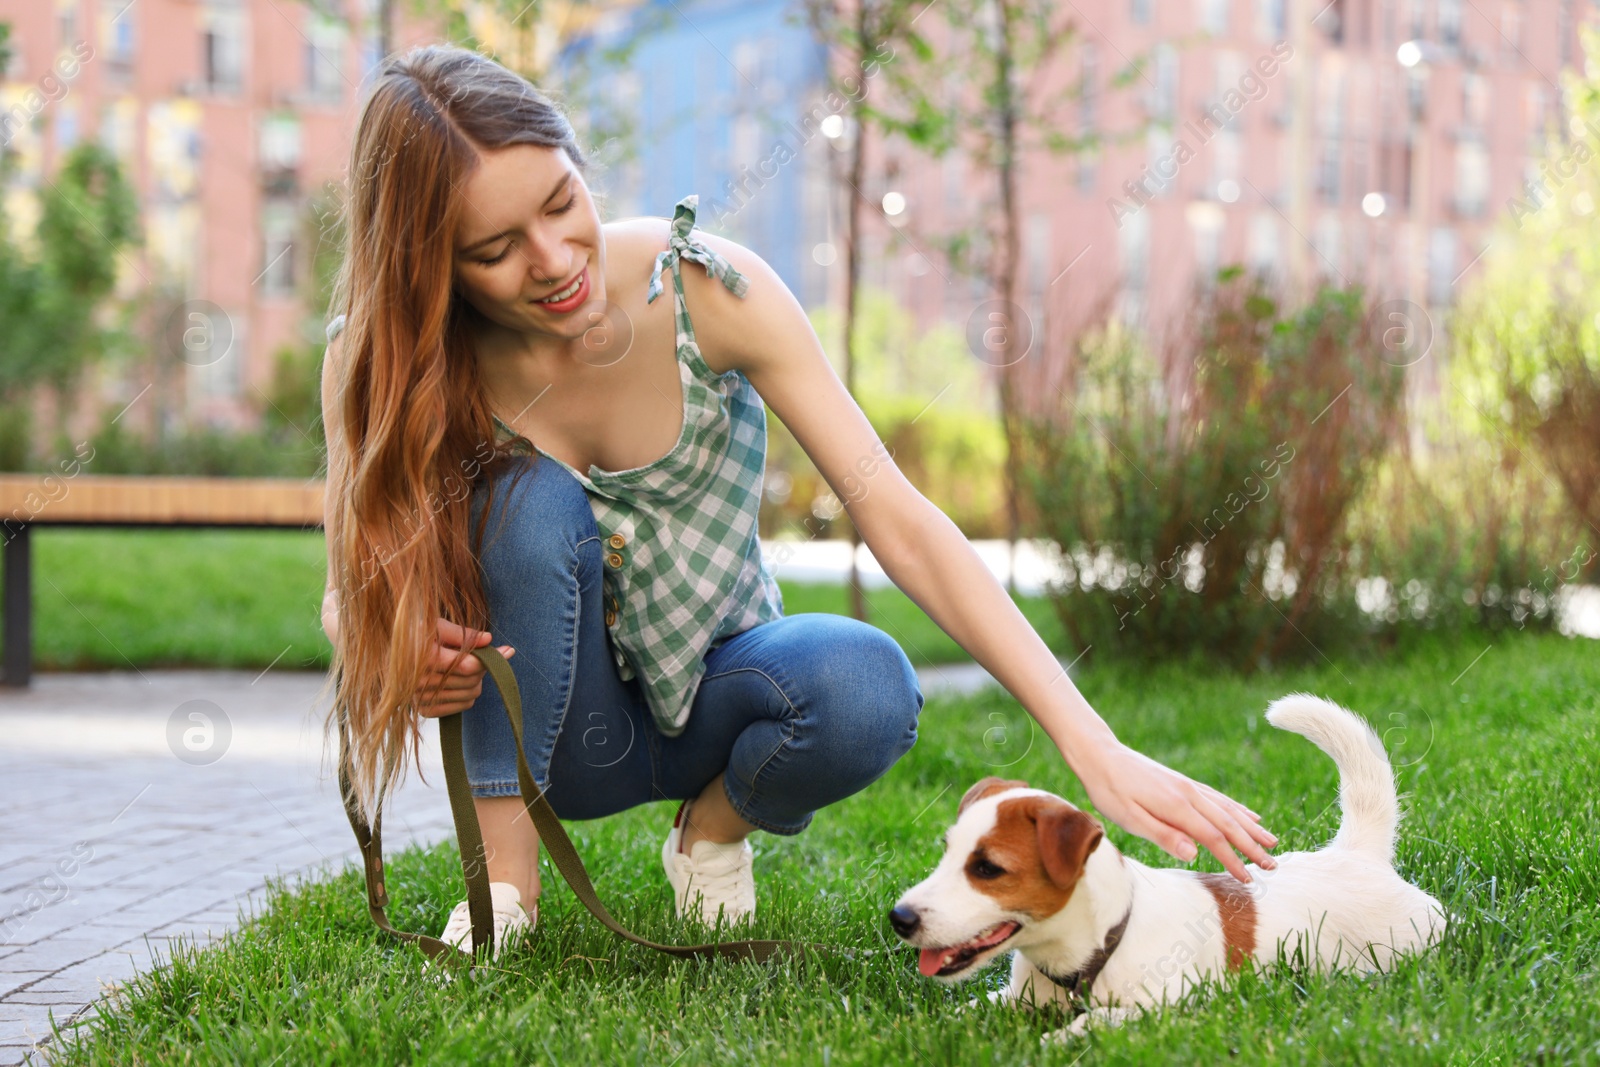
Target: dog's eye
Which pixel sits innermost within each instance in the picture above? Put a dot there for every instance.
(982, 868)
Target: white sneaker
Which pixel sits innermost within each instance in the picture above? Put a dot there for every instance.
(509, 917)
(712, 876)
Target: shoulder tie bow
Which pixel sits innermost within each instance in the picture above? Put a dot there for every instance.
(680, 247)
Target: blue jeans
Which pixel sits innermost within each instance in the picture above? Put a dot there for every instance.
(793, 714)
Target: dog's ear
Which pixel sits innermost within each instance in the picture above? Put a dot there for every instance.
(1066, 837)
(983, 787)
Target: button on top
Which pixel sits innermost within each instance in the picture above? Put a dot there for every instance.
(616, 540)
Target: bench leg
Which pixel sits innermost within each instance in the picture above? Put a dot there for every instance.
(17, 669)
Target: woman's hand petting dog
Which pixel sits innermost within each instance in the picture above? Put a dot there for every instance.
(1147, 798)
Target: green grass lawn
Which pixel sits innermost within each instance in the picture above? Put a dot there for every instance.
(244, 598)
(1497, 771)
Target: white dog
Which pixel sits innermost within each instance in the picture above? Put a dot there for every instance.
(1093, 930)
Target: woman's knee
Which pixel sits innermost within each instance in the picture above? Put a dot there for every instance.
(538, 511)
(869, 690)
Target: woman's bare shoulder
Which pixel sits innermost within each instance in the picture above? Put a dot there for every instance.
(631, 249)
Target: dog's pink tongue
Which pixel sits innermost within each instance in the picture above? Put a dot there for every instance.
(929, 960)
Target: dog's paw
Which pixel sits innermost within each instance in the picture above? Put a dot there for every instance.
(994, 996)
(1060, 1037)
(1081, 1025)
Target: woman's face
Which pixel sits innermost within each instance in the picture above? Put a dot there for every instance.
(529, 230)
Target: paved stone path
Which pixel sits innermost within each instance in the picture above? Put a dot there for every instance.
(113, 845)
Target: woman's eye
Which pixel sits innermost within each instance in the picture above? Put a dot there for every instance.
(496, 259)
(564, 208)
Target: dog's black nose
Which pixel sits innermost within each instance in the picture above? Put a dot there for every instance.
(904, 920)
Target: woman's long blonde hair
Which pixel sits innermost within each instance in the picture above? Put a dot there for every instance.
(410, 430)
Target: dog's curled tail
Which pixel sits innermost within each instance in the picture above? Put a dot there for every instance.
(1367, 799)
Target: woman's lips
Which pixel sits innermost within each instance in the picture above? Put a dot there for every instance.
(572, 302)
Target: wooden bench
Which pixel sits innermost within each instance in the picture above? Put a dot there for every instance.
(30, 500)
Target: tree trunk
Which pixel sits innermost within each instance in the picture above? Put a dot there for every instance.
(858, 143)
(1008, 279)
(385, 27)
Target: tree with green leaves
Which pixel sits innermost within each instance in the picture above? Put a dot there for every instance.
(54, 284)
(975, 86)
(1527, 337)
(860, 39)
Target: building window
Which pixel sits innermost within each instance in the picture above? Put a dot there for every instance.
(1227, 69)
(1088, 114)
(1330, 99)
(220, 376)
(118, 36)
(1441, 265)
(1270, 22)
(67, 18)
(118, 130)
(1214, 17)
(755, 61)
(1088, 171)
(1330, 19)
(1536, 114)
(325, 40)
(952, 168)
(1161, 170)
(1133, 247)
(1510, 32)
(1475, 100)
(1139, 12)
(1330, 171)
(1037, 247)
(1162, 93)
(66, 126)
(1450, 23)
(1564, 32)
(278, 249)
(280, 153)
(1205, 224)
(1472, 178)
(222, 43)
(1264, 243)
(1326, 243)
(1088, 88)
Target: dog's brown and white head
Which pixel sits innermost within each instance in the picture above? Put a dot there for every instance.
(1011, 862)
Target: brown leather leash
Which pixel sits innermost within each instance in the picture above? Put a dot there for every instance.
(469, 839)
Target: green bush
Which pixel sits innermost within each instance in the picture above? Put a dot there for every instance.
(925, 396)
(1199, 494)
(1463, 531)
(287, 443)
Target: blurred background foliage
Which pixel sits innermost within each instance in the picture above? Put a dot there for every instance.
(1273, 486)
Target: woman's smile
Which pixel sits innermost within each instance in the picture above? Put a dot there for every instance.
(574, 294)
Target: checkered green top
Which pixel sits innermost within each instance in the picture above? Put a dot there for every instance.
(682, 557)
(682, 561)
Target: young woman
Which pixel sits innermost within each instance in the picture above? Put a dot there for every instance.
(523, 439)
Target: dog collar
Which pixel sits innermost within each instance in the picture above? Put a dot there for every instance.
(1078, 983)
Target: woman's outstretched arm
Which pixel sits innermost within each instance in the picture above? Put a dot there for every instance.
(767, 336)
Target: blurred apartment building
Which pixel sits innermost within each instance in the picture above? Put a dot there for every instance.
(1287, 135)
(1359, 141)
(1372, 142)
(228, 119)
(711, 101)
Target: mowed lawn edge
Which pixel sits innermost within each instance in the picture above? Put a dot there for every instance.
(250, 599)
(1493, 748)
